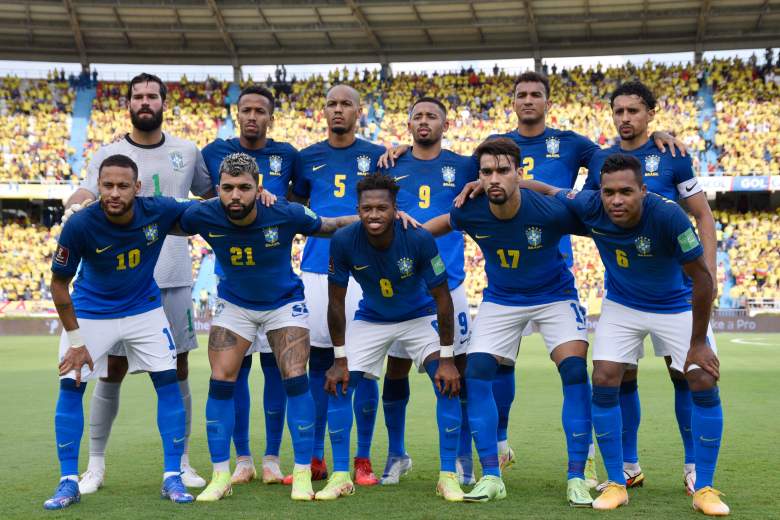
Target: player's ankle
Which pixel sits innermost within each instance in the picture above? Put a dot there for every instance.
(97, 463)
(632, 467)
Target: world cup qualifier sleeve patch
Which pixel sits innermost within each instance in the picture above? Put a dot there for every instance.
(61, 255)
(437, 264)
(687, 240)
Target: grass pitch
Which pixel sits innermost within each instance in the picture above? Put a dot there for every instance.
(536, 485)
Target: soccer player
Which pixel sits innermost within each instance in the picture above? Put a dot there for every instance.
(648, 247)
(428, 179)
(258, 291)
(633, 108)
(406, 300)
(167, 166)
(329, 172)
(115, 298)
(277, 162)
(518, 232)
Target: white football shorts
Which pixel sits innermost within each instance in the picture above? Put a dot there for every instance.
(248, 323)
(315, 287)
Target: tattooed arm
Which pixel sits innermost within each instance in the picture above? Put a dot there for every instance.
(291, 348)
(331, 224)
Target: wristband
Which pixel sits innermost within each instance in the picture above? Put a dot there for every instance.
(446, 351)
(339, 352)
(75, 339)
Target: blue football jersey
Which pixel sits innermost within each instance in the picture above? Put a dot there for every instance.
(395, 281)
(328, 177)
(523, 264)
(277, 162)
(555, 158)
(643, 262)
(255, 259)
(427, 189)
(670, 177)
(117, 262)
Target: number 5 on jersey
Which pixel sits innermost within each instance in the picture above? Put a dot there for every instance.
(338, 182)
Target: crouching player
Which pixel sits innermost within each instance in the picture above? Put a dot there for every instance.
(115, 300)
(258, 292)
(405, 300)
(648, 247)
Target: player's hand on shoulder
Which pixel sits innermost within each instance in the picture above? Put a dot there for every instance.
(337, 374)
(664, 139)
(74, 208)
(266, 198)
(74, 359)
(407, 220)
(470, 190)
(447, 378)
(702, 354)
(387, 160)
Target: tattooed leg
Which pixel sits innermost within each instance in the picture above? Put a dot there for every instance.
(291, 346)
(226, 352)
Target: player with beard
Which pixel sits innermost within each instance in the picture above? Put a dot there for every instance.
(167, 166)
(327, 178)
(277, 162)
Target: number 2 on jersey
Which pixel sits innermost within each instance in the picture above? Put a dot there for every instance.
(528, 167)
(130, 259)
(622, 258)
(240, 256)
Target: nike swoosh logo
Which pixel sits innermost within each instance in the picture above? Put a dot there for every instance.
(479, 237)
(396, 179)
(600, 435)
(704, 439)
(212, 422)
(100, 250)
(369, 410)
(273, 412)
(176, 441)
(214, 235)
(359, 267)
(689, 188)
(578, 434)
(336, 431)
(464, 341)
(318, 167)
(65, 445)
(598, 232)
(450, 430)
(304, 428)
(581, 328)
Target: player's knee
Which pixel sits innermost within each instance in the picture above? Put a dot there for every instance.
(223, 372)
(481, 365)
(699, 380)
(395, 389)
(573, 371)
(182, 366)
(602, 377)
(163, 378)
(631, 373)
(117, 368)
(397, 368)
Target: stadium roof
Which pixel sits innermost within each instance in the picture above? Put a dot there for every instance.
(332, 31)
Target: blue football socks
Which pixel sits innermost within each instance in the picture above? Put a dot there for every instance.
(575, 414)
(607, 425)
(274, 403)
(482, 411)
(395, 397)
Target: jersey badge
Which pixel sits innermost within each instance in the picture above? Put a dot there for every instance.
(275, 162)
(177, 159)
(533, 235)
(299, 309)
(687, 240)
(651, 165)
(363, 164)
(61, 255)
(406, 266)
(448, 176)
(219, 308)
(151, 234)
(643, 246)
(271, 235)
(309, 213)
(553, 147)
(438, 265)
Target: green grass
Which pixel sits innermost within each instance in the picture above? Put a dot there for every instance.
(536, 485)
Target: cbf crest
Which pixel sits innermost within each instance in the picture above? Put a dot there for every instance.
(275, 163)
(406, 266)
(271, 235)
(448, 176)
(651, 164)
(533, 235)
(151, 234)
(363, 164)
(177, 160)
(643, 246)
(553, 146)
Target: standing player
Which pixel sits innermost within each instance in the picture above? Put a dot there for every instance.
(648, 247)
(518, 232)
(115, 298)
(258, 292)
(277, 162)
(328, 175)
(428, 179)
(633, 108)
(404, 282)
(167, 166)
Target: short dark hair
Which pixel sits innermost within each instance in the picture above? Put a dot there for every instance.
(119, 160)
(499, 146)
(260, 91)
(239, 163)
(428, 99)
(634, 88)
(378, 181)
(531, 76)
(619, 162)
(146, 78)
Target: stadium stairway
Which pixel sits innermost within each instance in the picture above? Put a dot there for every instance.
(206, 278)
(707, 104)
(227, 129)
(82, 110)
